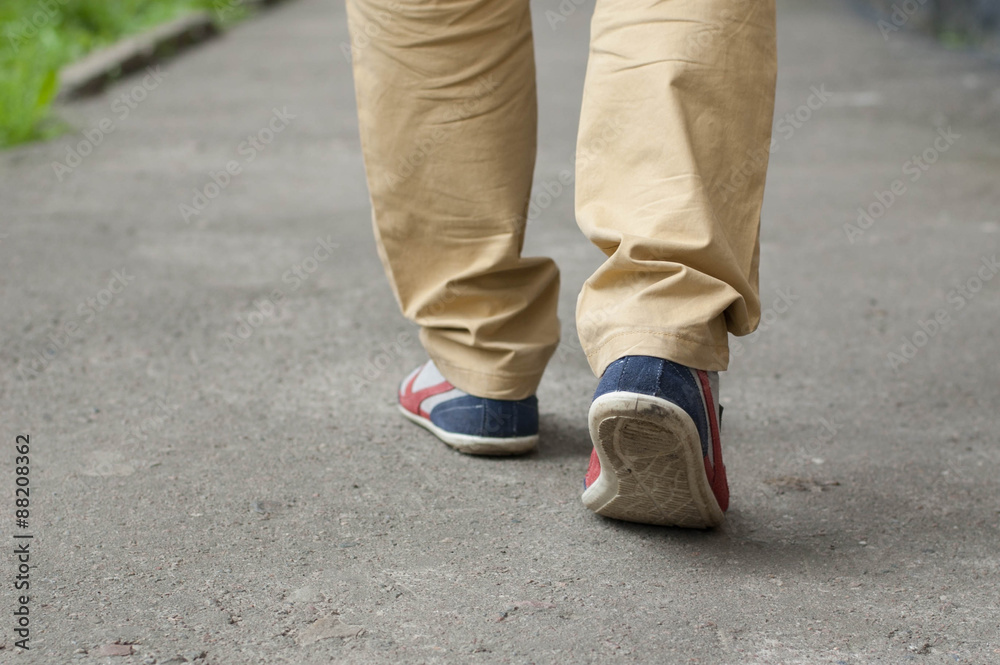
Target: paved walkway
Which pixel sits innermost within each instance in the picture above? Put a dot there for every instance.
(200, 343)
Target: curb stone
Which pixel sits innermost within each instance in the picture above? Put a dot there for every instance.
(96, 70)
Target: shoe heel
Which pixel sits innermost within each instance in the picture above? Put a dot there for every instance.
(652, 467)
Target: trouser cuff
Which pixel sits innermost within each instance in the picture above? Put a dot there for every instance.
(687, 352)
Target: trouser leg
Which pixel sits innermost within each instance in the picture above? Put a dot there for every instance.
(447, 110)
(673, 146)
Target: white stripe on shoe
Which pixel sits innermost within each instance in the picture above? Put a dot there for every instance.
(429, 375)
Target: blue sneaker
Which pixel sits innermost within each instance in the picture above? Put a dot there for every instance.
(657, 451)
(469, 424)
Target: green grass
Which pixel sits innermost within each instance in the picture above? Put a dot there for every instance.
(39, 37)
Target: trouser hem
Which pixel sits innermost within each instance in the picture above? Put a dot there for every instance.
(658, 344)
(491, 385)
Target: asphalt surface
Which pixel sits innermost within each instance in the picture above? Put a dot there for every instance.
(218, 472)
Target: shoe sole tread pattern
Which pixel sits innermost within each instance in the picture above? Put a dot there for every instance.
(475, 445)
(652, 466)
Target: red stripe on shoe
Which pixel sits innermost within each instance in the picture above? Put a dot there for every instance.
(593, 471)
(411, 401)
(717, 472)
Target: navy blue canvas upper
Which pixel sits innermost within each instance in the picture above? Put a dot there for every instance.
(660, 378)
(478, 416)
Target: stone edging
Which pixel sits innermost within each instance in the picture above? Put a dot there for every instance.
(96, 70)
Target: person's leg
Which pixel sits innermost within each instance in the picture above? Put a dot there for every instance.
(673, 149)
(447, 110)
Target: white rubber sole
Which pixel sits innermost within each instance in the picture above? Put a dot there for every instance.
(475, 445)
(652, 467)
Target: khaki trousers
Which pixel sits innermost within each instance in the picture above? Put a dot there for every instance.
(672, 151)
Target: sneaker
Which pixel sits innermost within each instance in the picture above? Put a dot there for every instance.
(469, 424)
(657, 453)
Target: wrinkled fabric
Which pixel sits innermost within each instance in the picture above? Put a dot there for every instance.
(672, 153)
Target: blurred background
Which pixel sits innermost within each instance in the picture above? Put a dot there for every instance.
(39, 37)
(960, 23)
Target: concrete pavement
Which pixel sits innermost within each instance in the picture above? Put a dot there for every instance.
(200, 343)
